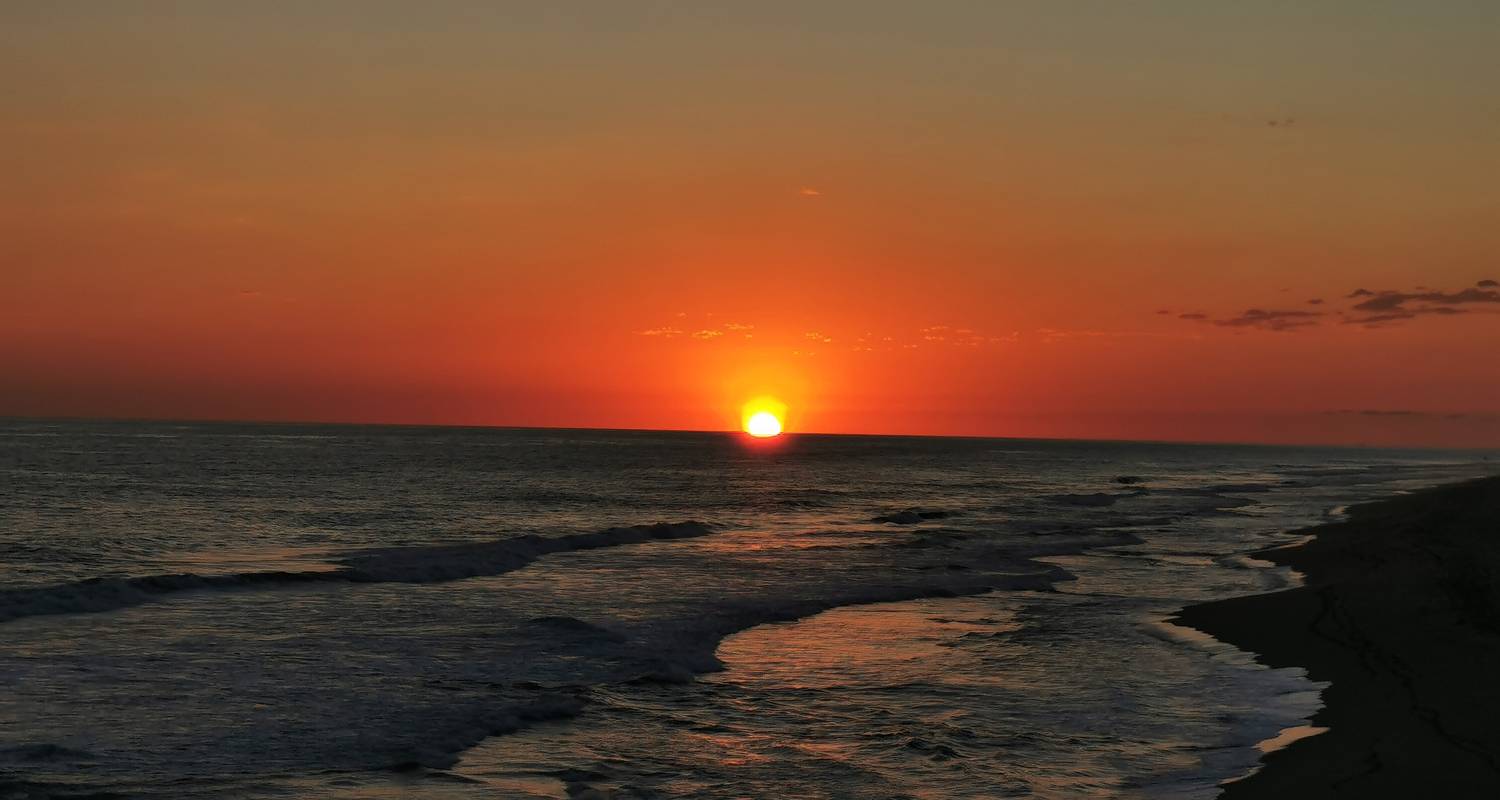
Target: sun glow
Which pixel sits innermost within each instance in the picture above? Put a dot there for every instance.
(762, 417)
(763, 424)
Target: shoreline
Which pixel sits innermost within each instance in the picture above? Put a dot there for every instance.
(1400, 612)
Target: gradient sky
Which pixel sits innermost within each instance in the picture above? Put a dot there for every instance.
(995, 218)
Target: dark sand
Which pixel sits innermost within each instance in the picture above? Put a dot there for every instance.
(1401, 612)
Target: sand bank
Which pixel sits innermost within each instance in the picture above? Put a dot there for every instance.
(1401, 612)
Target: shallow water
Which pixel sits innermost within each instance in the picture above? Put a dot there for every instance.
(382, 612)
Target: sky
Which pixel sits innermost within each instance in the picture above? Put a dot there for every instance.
(1213, 221)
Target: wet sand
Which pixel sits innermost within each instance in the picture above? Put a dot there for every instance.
(1401, 613)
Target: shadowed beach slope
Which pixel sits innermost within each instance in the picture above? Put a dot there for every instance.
(1401, 612)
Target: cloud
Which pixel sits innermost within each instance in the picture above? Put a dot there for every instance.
(962, 337)
(1391, 306)
(1272, 320)
(1388, 306)
(1054, 335)
(1365, 307)
(941, 336)
(818, 337)
(736, 329)
(808, 191)
(1386, 300)
(1378, 319)
(1401, 314)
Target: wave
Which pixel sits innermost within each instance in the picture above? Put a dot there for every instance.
(424, 732)
(1250, 487)
(443, 751)
(682, 646)
(414, 564)
(676, 651)
(687, 646)
(37, 790)
(44, 751)
(682, 653)
(573, 626)
(1092, 500)
(911, 516)
(1167, 503)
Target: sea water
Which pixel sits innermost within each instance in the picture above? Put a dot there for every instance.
(235, 610)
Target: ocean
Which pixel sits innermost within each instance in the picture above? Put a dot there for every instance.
(259, 611)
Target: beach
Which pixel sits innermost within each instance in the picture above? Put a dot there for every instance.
(1400, 612)
(197, 611)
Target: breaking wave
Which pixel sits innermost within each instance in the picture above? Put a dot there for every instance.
(415, 564)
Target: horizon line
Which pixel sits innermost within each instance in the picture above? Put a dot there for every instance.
(458, 426)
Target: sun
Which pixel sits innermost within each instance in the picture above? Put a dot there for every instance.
(763, 424)
(763, 417)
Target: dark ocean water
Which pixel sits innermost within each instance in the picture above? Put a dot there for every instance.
(225, 610)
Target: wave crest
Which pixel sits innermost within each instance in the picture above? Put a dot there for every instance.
(415, 564)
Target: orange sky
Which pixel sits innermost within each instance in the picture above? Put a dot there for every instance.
(958, 218)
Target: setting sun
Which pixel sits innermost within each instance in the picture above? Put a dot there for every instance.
(763, 417)
(763, 424)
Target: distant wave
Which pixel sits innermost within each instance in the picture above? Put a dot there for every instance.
(912, 516)
(416, 564)
(1175, 502)
(31, 753)
(1093, 500)
(1241, 488)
